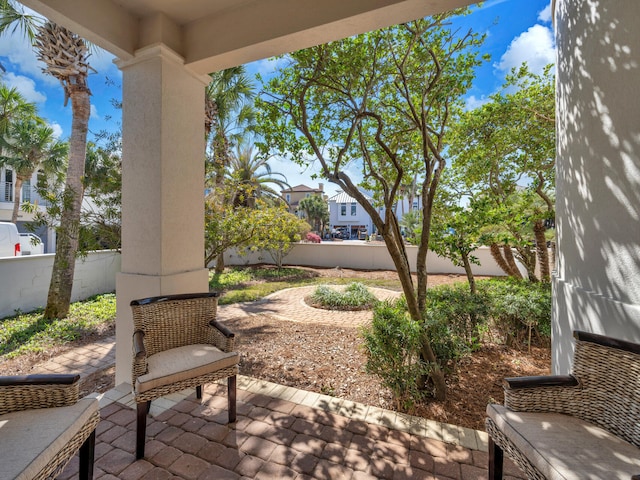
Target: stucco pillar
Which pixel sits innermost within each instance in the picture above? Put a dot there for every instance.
(597, 282)
(162, 187)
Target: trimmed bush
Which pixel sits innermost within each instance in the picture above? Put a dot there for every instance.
(519, 309)
(392, 345)
(455, 320)
(355, 296)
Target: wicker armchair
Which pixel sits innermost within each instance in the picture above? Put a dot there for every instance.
(43, 424)
(579, 426)
(178, 344)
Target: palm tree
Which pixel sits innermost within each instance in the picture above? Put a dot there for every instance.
(12, 106)
(29, 145)
(253, 178)
(65, 57)
(229, 115)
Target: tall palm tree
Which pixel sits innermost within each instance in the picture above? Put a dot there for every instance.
(253, 178)
(65, 57)
(29, 145)
(229, 114)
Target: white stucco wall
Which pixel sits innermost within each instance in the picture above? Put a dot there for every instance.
(24, 281)
(597, 282)
(364, 256)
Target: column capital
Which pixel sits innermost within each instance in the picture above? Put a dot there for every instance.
(160, 50)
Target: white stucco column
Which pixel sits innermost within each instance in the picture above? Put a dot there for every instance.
(162, 187)
(597, 283)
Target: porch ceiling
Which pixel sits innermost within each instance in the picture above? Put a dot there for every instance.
(216, 34)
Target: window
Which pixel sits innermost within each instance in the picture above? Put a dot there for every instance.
(26, 191)
(415, 205)
(8, 186)
(308, 195)
(353, 209)
(288, 198)
(343, 209)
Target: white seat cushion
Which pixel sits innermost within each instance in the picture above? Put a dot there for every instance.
(183, 363)
(30, 438)
(563, 447)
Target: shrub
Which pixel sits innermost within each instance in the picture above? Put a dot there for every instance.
(313, 238)
(392, 345)
(455, 320)
(355, 296)
(519, 309)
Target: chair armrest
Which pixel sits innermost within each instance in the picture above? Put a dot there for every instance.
(515, 383)
(42, 379)
(636, 477)
(38, 391)
(550, 394)
(221, 336)
(138, 344)
(224, 330)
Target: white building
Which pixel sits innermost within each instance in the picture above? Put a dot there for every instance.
(348, 215)
(28, 194)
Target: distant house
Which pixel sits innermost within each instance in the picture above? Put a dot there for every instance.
(293, 196)
(346, 215)
(28, 194)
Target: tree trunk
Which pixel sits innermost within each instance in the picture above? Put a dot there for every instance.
(508, 256)
(61, 284)
(541, 250)
(469, 272)
(399, 257)
(494, 248)
(220, 263)
(16, 199)
(528, 258)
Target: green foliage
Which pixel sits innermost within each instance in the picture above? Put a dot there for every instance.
(392, 345)
(355, 296)
(519, 309)
(266, 227)
(32, 333)
(381, 104)
(316, 209)
(500, 146)
(455, 319)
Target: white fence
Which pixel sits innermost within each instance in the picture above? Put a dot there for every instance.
(24, 281)
(365, 256)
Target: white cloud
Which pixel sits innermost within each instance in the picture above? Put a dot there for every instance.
(57, 129)
(24, 85)
(94, 112)
(102, 61)
(535, 46)
(19, 51)
(472, 102)
(268, 66)
(545, 14)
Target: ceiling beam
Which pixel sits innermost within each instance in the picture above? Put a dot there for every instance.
(102, 22)
(266, 28)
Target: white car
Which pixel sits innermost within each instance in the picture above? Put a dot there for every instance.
(9, 240)
(31, 244)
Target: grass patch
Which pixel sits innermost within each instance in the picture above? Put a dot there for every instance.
(247, 284)
(356, 296)
(30, 333)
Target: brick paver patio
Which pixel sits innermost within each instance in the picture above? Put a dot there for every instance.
(281, 432)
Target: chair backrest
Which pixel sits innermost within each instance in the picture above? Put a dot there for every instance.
(172, 321)
(609, 374)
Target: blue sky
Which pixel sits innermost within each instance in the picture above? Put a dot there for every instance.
(517, 31)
